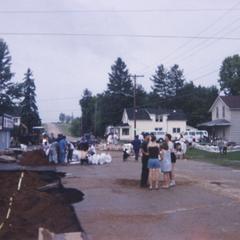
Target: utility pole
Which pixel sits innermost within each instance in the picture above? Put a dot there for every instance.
(95, 117)
(134, 101)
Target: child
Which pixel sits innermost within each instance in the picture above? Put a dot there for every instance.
(125, 154)
(166, 165)
(84, 157)
(126, 151)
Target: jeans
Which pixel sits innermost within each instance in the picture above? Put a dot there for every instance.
(62, 156)
(136, 151)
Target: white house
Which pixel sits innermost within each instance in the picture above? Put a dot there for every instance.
(225, 122)
(147, 120)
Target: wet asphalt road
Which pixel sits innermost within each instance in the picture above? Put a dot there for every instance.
(204, 205)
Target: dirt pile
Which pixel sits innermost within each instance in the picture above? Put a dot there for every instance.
(33, 208)
(34, 158)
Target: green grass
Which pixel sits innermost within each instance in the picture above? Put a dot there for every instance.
(231, 159)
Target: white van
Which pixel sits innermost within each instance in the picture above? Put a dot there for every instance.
(197, 135)
(160, 135)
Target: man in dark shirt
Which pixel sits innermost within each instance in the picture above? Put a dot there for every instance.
(136, 147)
(144, 150)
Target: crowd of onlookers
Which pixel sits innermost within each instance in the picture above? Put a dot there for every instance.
(156, 156)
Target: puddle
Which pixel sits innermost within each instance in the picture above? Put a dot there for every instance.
(128, 182)
(70, 195)
(216, 183)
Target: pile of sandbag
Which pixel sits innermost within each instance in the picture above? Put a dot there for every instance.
(100, 159)
(109, 147)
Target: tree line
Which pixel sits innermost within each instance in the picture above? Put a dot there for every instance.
(169, 90)
(17, 99)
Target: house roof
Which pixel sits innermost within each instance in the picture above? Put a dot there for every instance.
(157, 111)
(177, 115)
(123, 124)
(231, 101)
(143, 113)
(215, 123)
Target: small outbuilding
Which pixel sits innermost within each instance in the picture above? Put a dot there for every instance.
(6, 125)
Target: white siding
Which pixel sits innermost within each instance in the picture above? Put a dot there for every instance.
(235, 126)
(125, 117)
(220, 105)
(176, 124)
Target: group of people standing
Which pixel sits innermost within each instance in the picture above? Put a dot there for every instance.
(58, 150)
(156, 157)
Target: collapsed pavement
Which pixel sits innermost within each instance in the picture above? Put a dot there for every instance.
(34, 198)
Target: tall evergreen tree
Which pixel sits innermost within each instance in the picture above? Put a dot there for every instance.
(29, 110)
(119, 79)
(7, 86)
(119, 93)
(176, 80)
(87, 104)
(160, 82)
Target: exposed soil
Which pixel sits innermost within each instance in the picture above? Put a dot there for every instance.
(33, 208)
(34, 158)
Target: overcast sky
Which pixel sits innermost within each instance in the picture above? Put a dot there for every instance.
(64, 66)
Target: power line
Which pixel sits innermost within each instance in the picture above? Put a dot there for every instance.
(210, 63)
(205, 43)
(205, 75)
(184, 10)
(182, 46)
(106, 35)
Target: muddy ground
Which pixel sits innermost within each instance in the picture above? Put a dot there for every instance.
(33, 208)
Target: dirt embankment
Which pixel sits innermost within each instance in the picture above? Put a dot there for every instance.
(33, 208)
(34, 158)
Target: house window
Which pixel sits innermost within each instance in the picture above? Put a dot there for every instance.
(158, 129)
(217, 112)
(159, 118)
(223, 111)
(176, 130)
(125, 131)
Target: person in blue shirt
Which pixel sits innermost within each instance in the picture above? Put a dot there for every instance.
(136, 147)
(62, 149)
